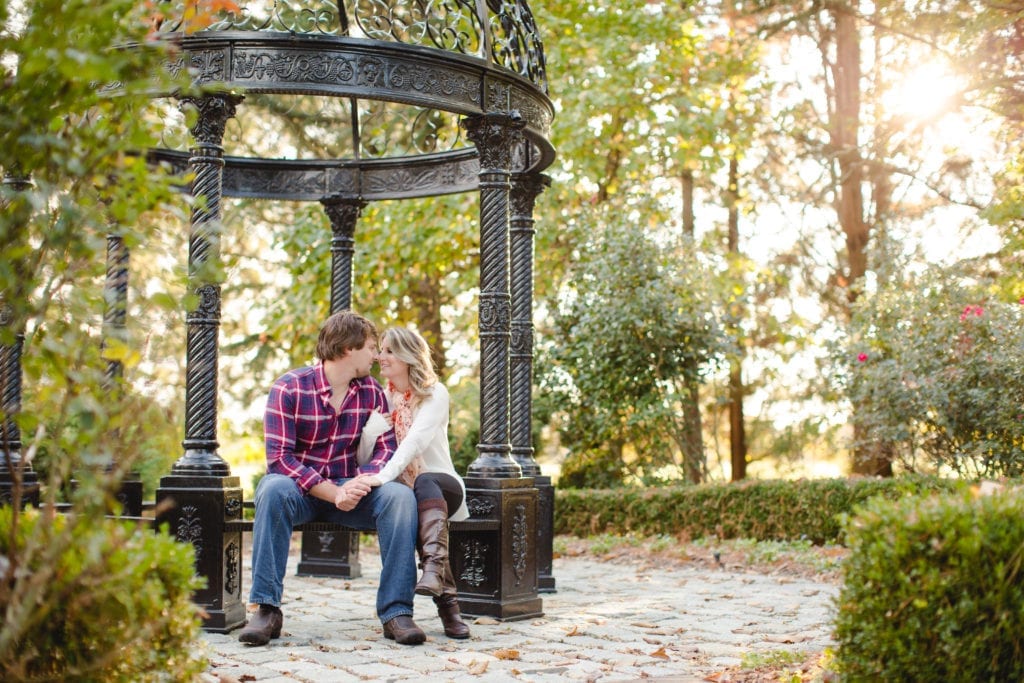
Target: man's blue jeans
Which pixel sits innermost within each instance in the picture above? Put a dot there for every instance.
(390, 509)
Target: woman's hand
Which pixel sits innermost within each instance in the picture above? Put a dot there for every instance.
(350, 493)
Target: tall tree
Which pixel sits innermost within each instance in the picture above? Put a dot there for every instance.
(876, 168)
(650, 79)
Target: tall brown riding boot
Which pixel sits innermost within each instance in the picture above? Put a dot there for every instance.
(448, 608)
(433, 541)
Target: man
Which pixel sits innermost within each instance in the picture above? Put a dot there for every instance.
(312, 425)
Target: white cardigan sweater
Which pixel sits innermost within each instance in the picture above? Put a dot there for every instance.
(428, 437)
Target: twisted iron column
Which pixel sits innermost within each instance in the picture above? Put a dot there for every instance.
(336, 553)
(526, 187)
(203, 321)
(17, 478)
(343, 214)
(494, 553)
(202, 494)
(494, 136)
(115, 294)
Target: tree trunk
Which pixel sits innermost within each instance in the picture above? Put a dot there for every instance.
(850, 210)
(845, 126)
(426, 299)
(693, 450)
(737, 431)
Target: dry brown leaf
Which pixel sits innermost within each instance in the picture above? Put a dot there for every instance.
(574, 631)
(787, 639)
(506, 654)
(486, 621)
(660, 653)
(477, 668)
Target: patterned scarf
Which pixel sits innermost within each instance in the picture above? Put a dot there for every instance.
(401, 419)
(401, 411)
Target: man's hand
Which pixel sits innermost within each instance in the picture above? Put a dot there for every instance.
(350, 493)
(372, 479)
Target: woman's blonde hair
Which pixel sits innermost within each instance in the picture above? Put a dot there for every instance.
(412, 349)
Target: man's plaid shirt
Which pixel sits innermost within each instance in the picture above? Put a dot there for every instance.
(307, 441)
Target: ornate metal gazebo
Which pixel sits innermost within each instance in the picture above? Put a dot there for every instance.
(418, 98)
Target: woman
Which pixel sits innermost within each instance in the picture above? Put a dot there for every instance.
(419, 413)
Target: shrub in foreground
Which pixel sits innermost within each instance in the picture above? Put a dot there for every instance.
(934, 590)
(89, 600)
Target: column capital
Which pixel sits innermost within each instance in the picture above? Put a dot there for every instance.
(343, 213)
(214, 112)
(526, 187)
(495, 135)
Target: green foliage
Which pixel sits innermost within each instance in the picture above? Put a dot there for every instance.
(99, 600)
(764, 510)
(634, 332)
(933, 590)
(773, 658)
(936, 371)
(83, 598)
(73, 117)
(464, 424)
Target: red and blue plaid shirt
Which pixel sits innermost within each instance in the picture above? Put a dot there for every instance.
(307, 441)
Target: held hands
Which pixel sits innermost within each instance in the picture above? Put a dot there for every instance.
(348, 495)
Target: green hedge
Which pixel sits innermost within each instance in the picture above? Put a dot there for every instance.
(764, 510)
(934, 590)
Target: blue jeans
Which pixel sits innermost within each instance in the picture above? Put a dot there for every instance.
(390, 509)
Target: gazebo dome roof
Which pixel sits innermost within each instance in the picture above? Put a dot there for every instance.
(362, 98)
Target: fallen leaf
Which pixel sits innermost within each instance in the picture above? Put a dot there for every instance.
(574, 631)
(506, 654)
(486, 621)
(660, 653)
(477, 668)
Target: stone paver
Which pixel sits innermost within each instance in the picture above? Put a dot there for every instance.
(605, 622)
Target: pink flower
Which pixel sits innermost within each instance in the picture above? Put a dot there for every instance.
(1021, 301)
(976, 310)
(862, 357)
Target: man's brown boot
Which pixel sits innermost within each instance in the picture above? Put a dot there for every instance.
(404, 630)
(433, 540)
(264, 624)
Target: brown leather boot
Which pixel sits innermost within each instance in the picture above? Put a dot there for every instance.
(448, 608)
(264, 625)
(433, 539)
(403, 630)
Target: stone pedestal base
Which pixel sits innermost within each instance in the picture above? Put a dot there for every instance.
(545, 534)
(199, 508)
(330, 553)
(494, 552)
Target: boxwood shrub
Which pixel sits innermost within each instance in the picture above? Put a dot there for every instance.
(95, 600)
(777, 510)
(933, 590)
